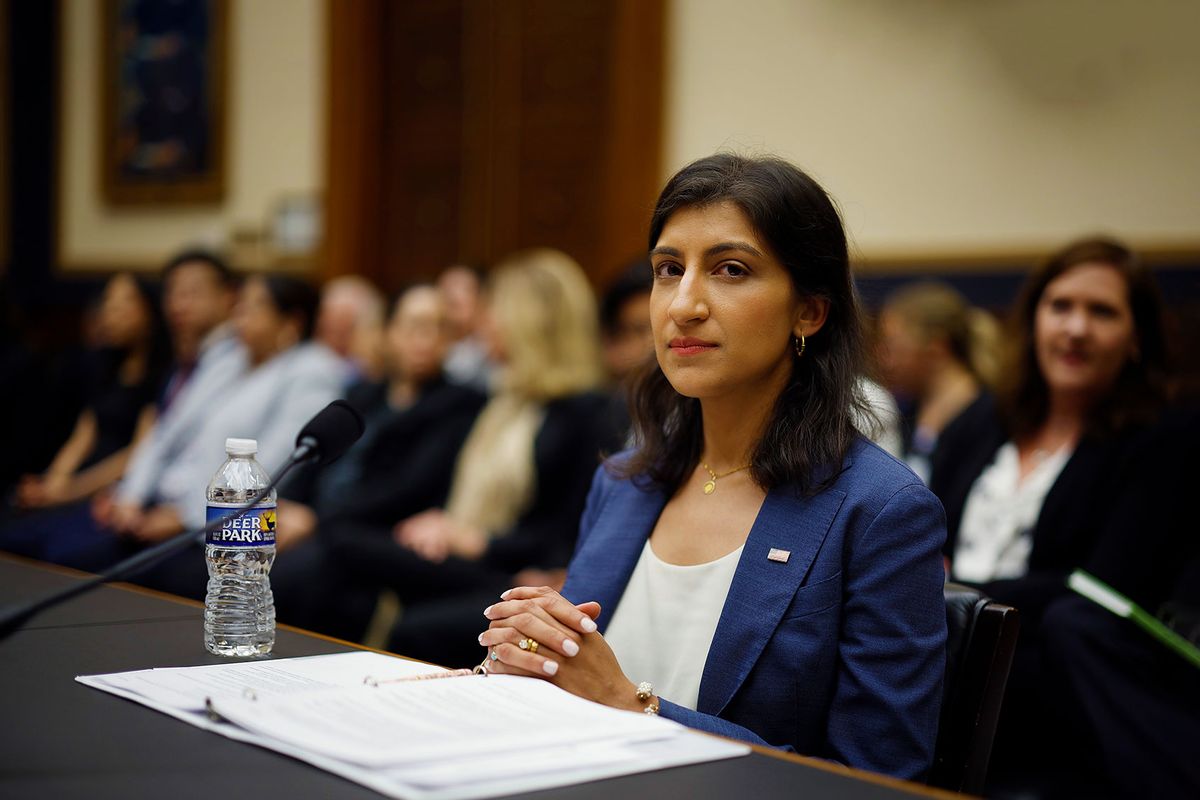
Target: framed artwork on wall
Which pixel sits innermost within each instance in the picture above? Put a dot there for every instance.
(164, 101)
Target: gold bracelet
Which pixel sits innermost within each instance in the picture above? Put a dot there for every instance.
(644, 692)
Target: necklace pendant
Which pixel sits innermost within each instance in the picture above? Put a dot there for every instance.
(710, 487)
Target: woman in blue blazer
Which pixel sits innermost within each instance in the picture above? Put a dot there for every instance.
(775, 574)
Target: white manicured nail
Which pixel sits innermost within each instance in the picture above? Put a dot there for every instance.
(505, 593)
(487, 612)
(569, 647)
(585, 623)
(550, 667)
(480, 639)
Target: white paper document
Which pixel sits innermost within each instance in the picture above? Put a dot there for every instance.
(457, 737)
(186, 688)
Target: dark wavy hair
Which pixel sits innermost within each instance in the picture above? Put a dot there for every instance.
(1140, 390)
(294, 297)
(217, 265)
(812, 424)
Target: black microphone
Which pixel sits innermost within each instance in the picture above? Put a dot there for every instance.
(329, 434)
(325, 438)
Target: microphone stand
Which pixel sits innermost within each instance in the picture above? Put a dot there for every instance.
(13, 619)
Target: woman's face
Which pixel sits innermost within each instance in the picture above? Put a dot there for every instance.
(903, 355)
(124, 315)
(417, 335)
(723, 309)
(1083, 331)
(259, 324)
(491, 332)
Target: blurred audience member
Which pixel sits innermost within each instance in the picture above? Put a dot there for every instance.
(416, 425)
(198, 295)
(350, 323)
(1129, 706)
(287, 379)
(467, 361)
(199, 291)
(522, 477)
(1029, 482)
(935, 355)
(626, 345)
(120, 405)
(627, 342)
(119, 410)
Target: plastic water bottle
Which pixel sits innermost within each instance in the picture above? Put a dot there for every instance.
(239, 611)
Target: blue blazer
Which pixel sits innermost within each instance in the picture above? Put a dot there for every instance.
(839, 652)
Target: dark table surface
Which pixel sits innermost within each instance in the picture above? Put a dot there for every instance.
(61, 739)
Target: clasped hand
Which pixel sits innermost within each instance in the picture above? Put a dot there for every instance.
(571, 653)
(435, 535)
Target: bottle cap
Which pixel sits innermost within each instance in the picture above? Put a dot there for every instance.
(241, 447)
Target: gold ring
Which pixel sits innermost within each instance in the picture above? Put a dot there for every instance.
(528, 644)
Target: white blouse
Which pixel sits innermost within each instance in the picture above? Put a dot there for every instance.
(995, 536)
(664, 624)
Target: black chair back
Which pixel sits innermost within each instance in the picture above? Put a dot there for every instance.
(981, 638)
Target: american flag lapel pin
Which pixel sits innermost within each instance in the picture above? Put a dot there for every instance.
(779, 555)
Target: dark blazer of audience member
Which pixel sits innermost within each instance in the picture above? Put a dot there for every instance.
(776, 577)
(1086, 377)
(1125, 706)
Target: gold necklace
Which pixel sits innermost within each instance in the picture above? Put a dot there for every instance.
(710, 485)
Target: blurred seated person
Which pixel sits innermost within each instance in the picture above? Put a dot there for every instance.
(350, 323)
(288, 379)
(934, 356)
(626, 340)
(626, 343)
(416, 422)
(521, 479)
(765, 572)
(467, 361)
(120, 409)
(1129, 706)
(199, 291)
(120, 405)
(1029, 479)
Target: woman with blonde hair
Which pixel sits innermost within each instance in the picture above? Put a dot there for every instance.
(936, 353)
(522, 477)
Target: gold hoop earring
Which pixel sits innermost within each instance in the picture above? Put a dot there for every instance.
(798, 343)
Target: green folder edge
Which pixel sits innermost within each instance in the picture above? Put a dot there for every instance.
(1107, 597)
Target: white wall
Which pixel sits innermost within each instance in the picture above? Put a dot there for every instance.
(955, 128)
(275, 136)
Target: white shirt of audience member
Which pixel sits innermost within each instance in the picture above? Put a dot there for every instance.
(995, 536)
